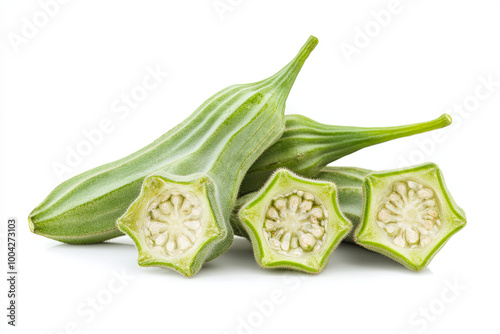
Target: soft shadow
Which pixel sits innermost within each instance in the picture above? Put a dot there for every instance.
(238, 257)
(115, 251)
(237, 261)
(349, 257)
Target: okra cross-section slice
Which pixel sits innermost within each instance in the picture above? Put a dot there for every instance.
(408, 215)
(294, 222)
(172, 223)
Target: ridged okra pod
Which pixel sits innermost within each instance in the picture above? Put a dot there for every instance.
(181, 218)
(200, 164)
(307, 146)
(406, 214)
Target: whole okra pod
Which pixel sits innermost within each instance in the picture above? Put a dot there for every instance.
(184, 184)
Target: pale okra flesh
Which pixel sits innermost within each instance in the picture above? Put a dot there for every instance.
(181, 217)
(293, 222)
(406, 214)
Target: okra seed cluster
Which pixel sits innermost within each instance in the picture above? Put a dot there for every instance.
(410, 215)
(295, 223)
(173, 224)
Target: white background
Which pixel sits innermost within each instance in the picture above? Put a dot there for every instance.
(64, 79)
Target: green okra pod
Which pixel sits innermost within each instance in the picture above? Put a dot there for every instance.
(180, 217)
(307, 146)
